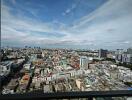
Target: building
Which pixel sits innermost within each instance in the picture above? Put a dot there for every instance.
(27, 66)
(5, 68)
(11, 87)
(118, 54)
(23, 83)
(119, 51)
(83, 62)
(124, 57)
(129, 50)
(111, 54)
(127, 58)
(102, 53)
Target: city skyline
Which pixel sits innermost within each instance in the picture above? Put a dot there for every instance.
(66, 23)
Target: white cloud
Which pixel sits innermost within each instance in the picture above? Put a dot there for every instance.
(69, 10)
(104, 27)
(20, 29)
(111, 22)
(126, 42)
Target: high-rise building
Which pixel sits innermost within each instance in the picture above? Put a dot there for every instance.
(129, 50)
(83, 62)
(102, 53)
(119, 53)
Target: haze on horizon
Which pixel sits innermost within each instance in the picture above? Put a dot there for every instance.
(67, 23)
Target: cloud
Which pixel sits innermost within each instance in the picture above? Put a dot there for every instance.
(69, 10)
(28, 30)
(126, 42)
(110, 22)
(106, 27)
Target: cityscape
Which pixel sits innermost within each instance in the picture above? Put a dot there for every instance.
(60, 70)
(66, 46)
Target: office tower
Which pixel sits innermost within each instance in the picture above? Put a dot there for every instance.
(102, 53)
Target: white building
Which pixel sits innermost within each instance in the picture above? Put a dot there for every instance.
(26, 66)
(5, 68)
(127, 58)
(84, 61)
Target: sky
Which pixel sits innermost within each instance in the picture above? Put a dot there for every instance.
(82, 24)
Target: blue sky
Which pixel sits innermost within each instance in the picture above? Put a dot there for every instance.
(67, 23)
